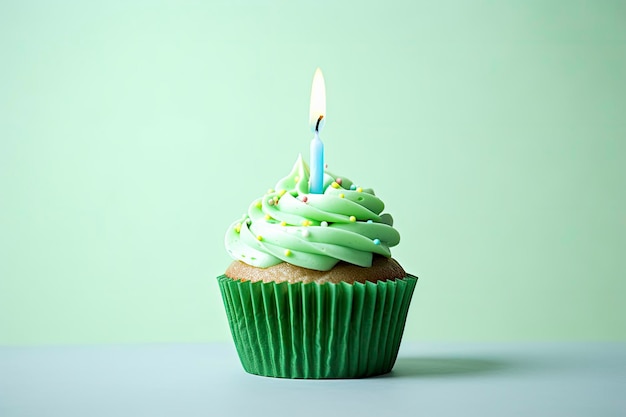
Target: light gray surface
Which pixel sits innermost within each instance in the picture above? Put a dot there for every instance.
(207, 380)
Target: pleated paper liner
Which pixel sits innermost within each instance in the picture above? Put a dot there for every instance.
(317, 330)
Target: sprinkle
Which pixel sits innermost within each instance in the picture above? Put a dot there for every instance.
(338, 181)
(306, 223)
(238, 228)
(258, 204)
(305, 233)
(370, 221)
(270, 191)
(352, 219)
(305, 199)
(268, 217)
(334, 184)
(359, 190)
(376, 241)
(283, 223)
(287, 252)
(270, 201)
(259, 238)
(342, 195)
(282, 192)
(353, 187)
(324, 224)
(248, 221)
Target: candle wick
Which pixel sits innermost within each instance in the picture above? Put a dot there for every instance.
(317, 125)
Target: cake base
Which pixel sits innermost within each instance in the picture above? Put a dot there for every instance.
(382, 269)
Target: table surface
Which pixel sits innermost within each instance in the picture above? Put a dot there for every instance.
(431, 379)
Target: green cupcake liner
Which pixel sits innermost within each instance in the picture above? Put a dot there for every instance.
(317, 330)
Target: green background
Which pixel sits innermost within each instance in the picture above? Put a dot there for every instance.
(133, 133)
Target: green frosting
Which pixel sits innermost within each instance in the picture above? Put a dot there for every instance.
(313, 231)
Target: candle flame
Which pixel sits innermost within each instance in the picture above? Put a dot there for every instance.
(317, 109)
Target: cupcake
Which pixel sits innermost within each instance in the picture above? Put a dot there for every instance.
(313, 291)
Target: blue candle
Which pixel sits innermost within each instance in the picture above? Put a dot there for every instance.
(317, 114)
(316, 179)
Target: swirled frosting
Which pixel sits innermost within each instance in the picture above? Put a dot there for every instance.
(312, 231)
